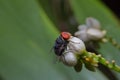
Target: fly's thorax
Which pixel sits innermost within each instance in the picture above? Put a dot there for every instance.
(60, 45)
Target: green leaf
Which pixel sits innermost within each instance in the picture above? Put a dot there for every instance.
(94, 8)
(26, 37)
(47, 5)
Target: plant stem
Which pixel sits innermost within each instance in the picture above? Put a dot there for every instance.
(94, 59)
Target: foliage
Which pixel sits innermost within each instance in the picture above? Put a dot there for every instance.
(27, 34)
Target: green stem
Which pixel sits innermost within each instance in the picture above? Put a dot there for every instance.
(94, 59)
(111, 65)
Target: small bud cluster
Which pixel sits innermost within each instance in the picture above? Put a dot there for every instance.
(76, 53)
(90, 31)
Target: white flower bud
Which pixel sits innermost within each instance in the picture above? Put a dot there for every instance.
(76, 45)
(92, 23)
(90, 31)
(82, 35)
(95, 34)
(82, 27)
(69, 59)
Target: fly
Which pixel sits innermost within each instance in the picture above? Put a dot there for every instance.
(61, 43)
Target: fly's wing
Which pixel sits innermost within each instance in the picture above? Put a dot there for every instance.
(51, 50)
(56, 60)
(55, 57)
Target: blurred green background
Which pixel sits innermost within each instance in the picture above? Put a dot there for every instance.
(28, 29)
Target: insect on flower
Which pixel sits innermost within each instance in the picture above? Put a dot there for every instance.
(72, 52)
(67, 47)
(61, 43)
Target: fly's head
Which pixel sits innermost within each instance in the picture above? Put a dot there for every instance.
(65, 35)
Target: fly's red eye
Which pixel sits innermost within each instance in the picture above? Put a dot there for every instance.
(65, 35)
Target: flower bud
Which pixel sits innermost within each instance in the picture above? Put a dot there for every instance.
(69, 59)
(90, 31)
(76, 45)
(95, 34)
(82, 27)
(82, 35)
(92, 23)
